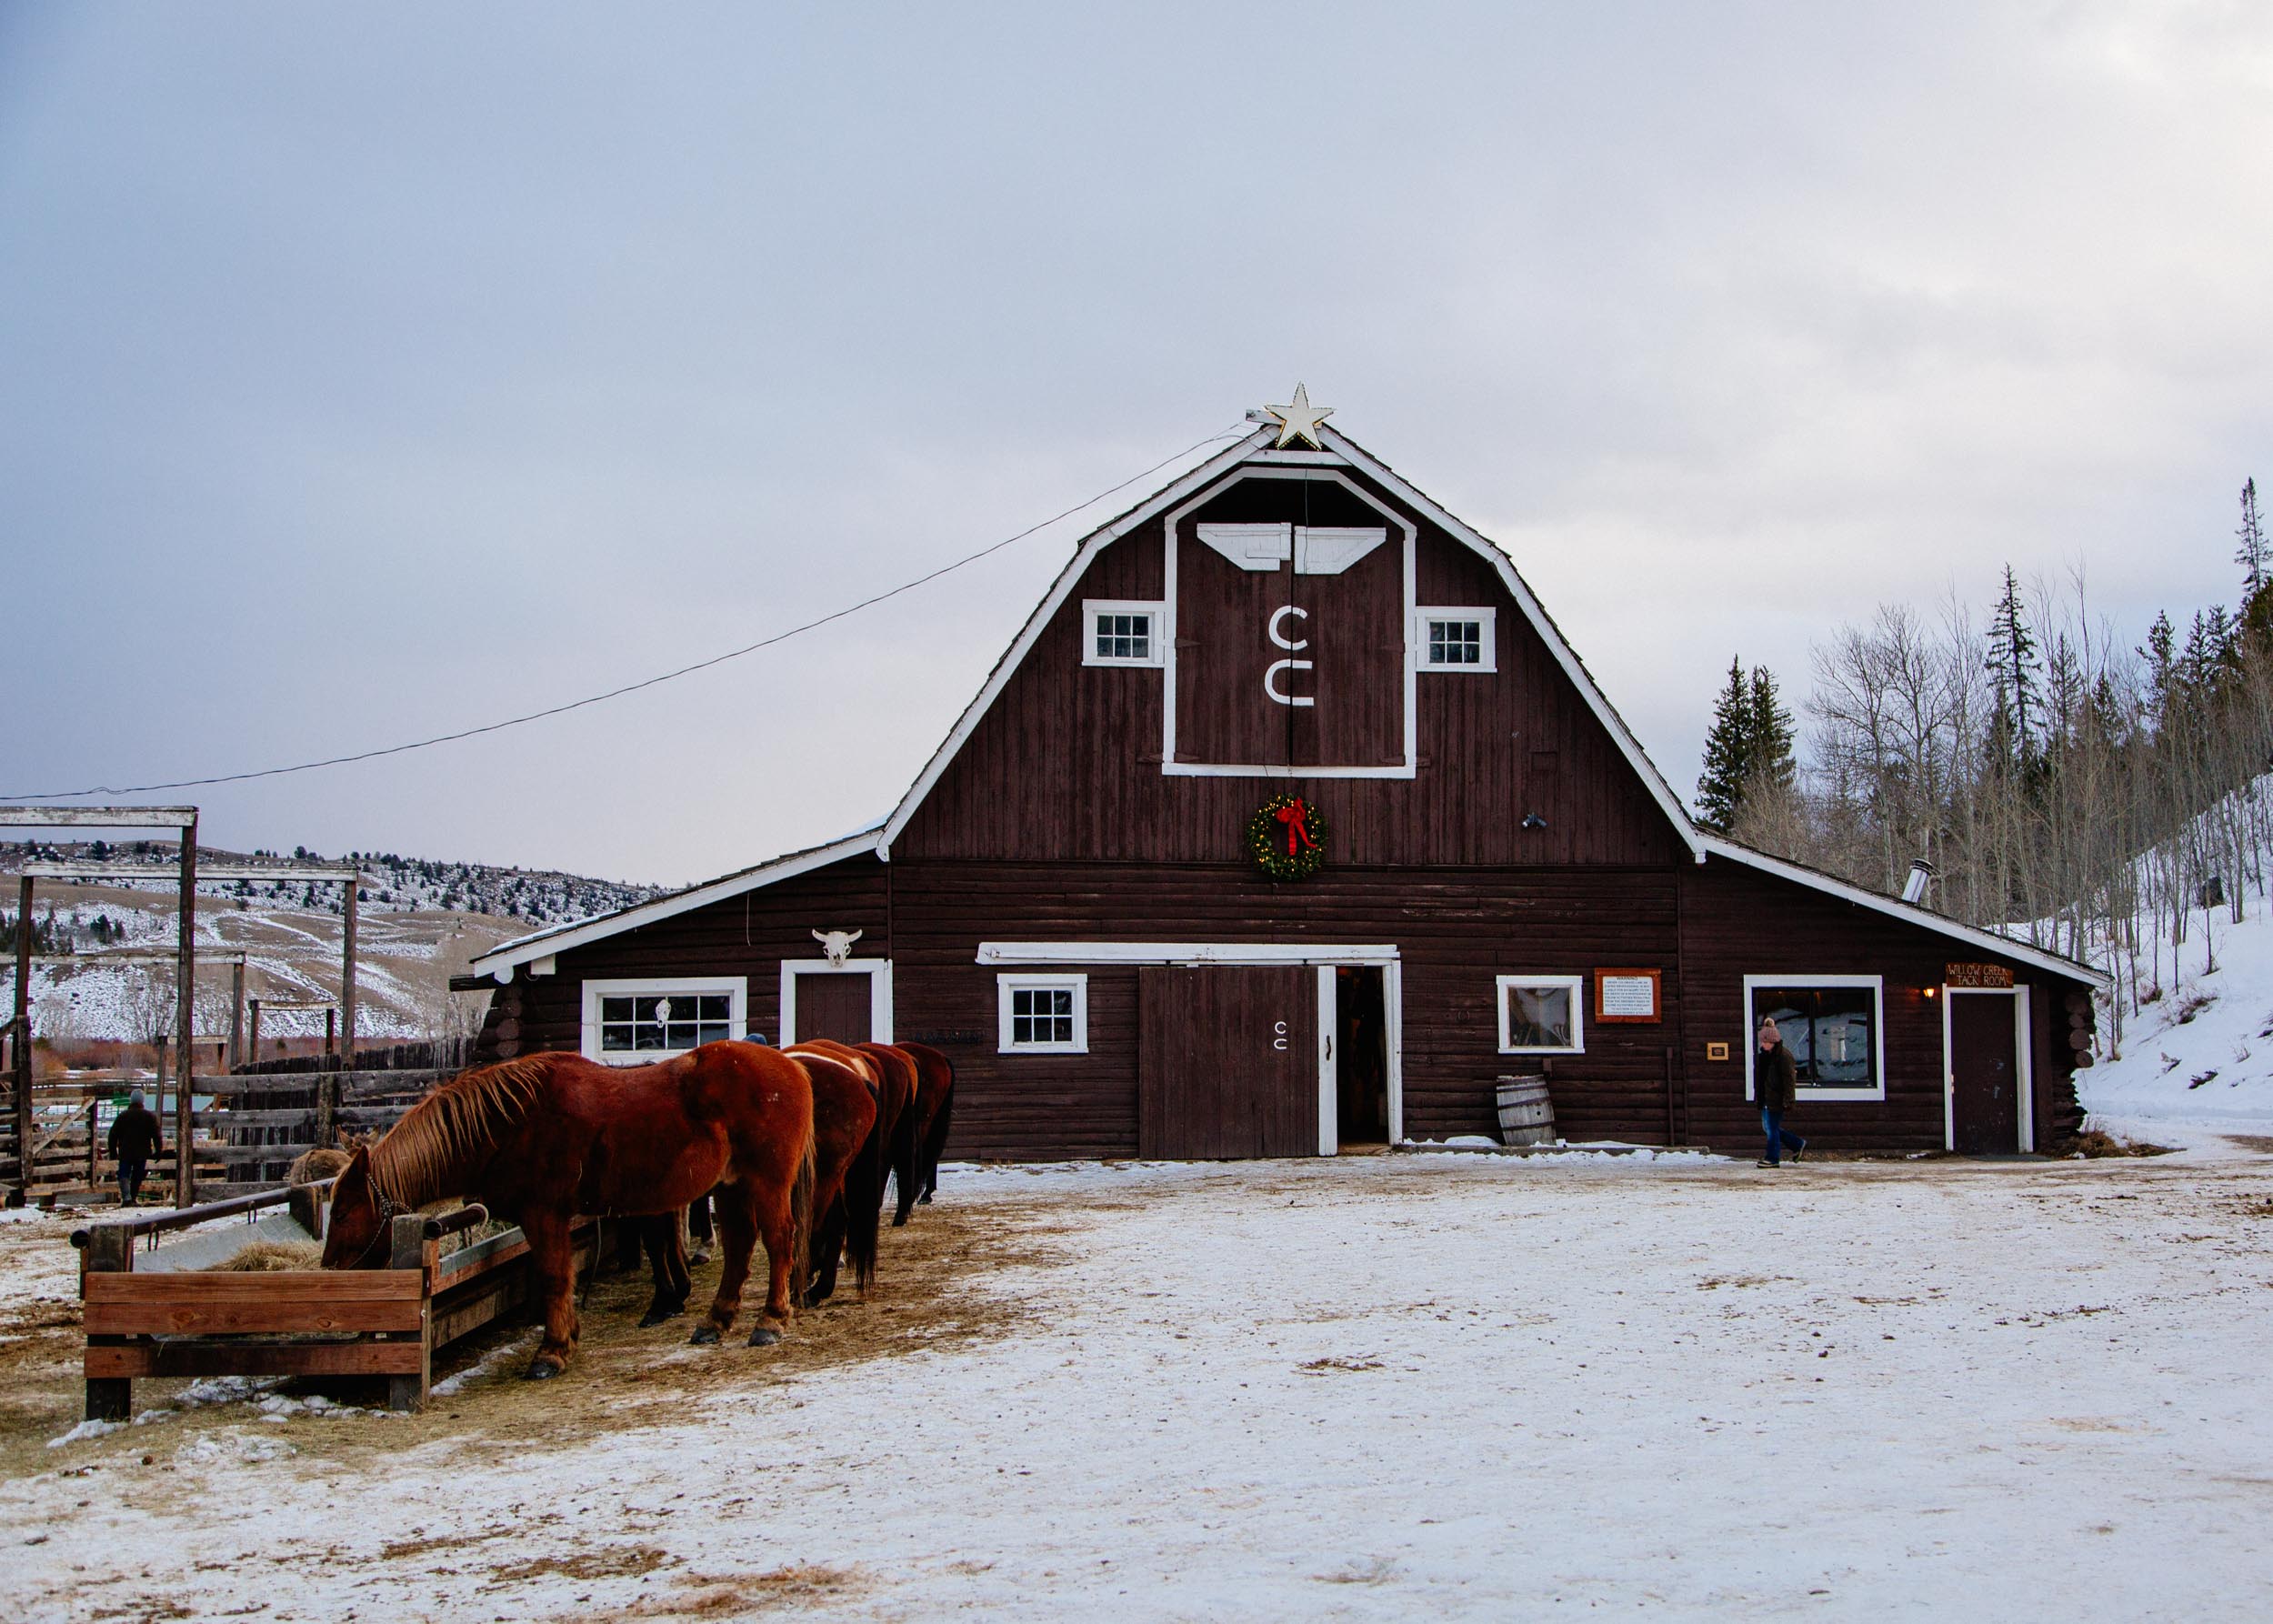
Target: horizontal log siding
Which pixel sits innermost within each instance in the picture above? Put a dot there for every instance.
(1457, 929)
(748, 934)
(1066, 764)
(1738, 921)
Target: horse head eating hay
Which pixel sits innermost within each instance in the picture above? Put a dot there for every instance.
(544, 1139)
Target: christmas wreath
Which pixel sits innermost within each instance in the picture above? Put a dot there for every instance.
(1287, 837)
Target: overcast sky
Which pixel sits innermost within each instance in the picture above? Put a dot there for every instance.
(367, 372)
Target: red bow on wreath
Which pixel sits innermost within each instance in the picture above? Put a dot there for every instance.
(1295, 815)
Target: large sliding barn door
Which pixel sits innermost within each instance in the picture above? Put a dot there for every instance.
(1227, 1063)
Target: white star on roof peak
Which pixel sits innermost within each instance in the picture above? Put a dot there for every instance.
(1300, 420)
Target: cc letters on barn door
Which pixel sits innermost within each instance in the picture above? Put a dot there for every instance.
(1287, 648)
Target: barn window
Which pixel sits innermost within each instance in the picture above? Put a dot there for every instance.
(1834, 1026)
(1043, 1014)
(1541, 1015)
(630, 1022)
(1121, 632)
(1457, 640)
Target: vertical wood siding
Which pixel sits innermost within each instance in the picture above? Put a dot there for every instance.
(1066, 764)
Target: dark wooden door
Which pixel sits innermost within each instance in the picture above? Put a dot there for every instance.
(1985, 1082)
(833, 1006)
(1227, 1063)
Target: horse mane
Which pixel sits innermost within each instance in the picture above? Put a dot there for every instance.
(423, 1156)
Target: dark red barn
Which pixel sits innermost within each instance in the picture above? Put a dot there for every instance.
(1067, 902)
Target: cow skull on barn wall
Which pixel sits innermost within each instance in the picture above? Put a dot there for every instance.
(837, 944)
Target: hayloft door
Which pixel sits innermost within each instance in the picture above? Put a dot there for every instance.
(1228, 1062)
(1351, 597)
(1985, 1072)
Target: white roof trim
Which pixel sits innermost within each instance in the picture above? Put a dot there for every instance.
(1542, 623)
(1186, 953)
(501, 961)
(1215, 468)
(1988, 941)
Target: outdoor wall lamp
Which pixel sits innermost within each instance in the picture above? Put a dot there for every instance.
(1532, 820)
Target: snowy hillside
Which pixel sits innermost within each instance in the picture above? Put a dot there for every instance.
(419, 921)
(2203, 1052)
(391, 884)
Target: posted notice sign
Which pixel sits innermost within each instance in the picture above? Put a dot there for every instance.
(1626, 995)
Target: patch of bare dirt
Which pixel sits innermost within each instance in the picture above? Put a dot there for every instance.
(2260, 1143)
(629, 1562)
(927, 1296)
(738, 1596)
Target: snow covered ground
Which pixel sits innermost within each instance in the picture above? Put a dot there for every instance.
(2203, 1053)
(1382, 1387)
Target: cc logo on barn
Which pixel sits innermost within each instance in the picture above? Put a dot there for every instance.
(1276, 629)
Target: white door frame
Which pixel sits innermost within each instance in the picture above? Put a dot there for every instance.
(1326, 956)
(879, 974)
(2024, 1071)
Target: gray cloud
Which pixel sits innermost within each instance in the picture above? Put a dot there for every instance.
(370, 373)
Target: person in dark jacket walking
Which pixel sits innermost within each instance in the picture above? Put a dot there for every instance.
(1775, 1081)
(134, 1142)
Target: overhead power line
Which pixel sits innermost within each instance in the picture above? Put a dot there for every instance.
(630, 688)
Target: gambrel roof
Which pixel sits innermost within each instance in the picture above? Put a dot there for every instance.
(1340, 453)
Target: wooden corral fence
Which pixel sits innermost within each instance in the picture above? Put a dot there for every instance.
(163, 1321)
(269, 1118)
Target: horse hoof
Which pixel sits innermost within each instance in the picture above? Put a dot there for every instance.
(705, 1335)
(764, 1337)
(699, 1260)
(655, 1317)
(542, 1371)
(899, 1220)
(924, 1200)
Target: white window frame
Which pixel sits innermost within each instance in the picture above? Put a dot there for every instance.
(1005, 986)
(1488, 631)
(879, 974)
(1877, 985)
(737, 989)
(1091, 607)
(1574, 985)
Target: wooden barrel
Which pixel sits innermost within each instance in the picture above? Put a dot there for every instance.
(1526, 1116)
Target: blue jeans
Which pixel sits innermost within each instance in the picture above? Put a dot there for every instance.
(1779, 1136)
(130, 1177)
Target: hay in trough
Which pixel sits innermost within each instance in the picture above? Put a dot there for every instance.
(262, 1257)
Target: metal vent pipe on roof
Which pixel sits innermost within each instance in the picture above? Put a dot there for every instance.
(1921, 876)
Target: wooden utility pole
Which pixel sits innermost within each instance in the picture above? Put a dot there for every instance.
(236, 1014)
(185, 987)
(347, 970)
(254, 1034)
(22, 1040)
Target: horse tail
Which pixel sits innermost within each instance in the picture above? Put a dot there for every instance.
(935, 1133)
(801, 1218)
(864, 1204)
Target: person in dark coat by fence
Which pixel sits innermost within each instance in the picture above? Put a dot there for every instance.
(1775, 1081)
(134, 1142)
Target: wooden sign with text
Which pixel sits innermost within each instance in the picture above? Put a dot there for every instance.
(1626, 996)
(1994, 975)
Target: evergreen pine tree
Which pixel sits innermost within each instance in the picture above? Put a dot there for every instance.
(2251, 554)
(2012, 668)
(1728, 753)
(2160, 651)
(1774, 761)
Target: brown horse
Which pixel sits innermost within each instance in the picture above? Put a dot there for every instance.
(847, 1180)
(935, 1106)
(540, 1139)
(848, 1102)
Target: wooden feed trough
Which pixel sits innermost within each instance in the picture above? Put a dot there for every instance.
(171, 1321)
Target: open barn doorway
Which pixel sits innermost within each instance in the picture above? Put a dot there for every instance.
(1361, 1058)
